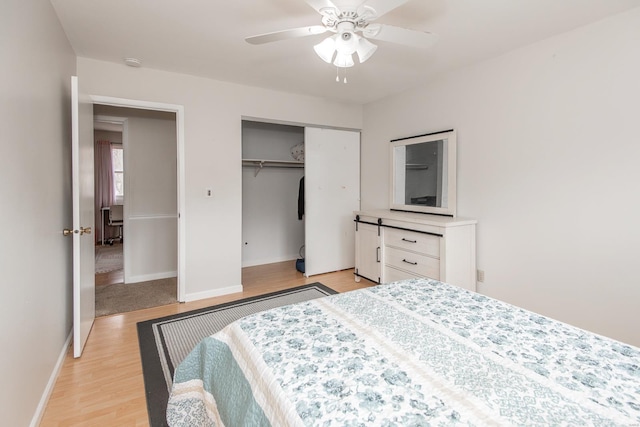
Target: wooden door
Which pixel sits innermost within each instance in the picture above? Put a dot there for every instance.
(332, 194)
(82, 150)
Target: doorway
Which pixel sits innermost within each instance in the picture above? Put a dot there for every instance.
(137, 259)
(300, 187)
(109, 191)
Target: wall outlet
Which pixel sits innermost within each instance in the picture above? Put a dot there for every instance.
(480, 276)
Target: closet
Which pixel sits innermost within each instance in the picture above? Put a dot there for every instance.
(286, 217)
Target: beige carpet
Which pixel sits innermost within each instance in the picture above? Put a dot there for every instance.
(120, 298)
(108, 258)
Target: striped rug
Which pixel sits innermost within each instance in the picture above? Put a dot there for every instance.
(166, 341)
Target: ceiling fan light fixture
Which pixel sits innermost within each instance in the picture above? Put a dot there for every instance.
(347, 42)
(353, 27)
(365, 49)
(326, 49)
(343, 60)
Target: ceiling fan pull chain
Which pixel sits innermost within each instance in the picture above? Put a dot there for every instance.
(338, 75)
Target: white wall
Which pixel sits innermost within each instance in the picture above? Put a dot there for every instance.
(271, 230)
(548, 158)
(35, 184)
(151, 199)
(213, 113)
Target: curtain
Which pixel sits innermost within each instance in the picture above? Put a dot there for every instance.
(104, 190)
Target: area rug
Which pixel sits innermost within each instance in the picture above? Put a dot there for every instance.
(121, 297)
(108, 258)
(166, 341)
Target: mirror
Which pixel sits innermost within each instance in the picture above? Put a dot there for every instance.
(423, 173)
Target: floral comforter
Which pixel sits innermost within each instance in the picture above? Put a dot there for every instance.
(410, 353)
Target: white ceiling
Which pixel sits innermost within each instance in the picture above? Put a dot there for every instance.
(206, 38)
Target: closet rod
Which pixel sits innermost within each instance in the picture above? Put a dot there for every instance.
(259, 164)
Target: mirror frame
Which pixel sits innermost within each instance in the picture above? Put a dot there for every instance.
(449, 137)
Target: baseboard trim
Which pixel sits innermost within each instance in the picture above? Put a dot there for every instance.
(148, 277)
(213, 293)
(46, 394)
(254, 263)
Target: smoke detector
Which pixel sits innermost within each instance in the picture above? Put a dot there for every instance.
(132, 62)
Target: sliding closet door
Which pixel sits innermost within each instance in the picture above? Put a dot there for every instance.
(332, 193)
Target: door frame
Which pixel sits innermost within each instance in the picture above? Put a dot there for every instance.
(179, 112)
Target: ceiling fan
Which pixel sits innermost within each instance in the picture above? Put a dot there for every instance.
(352, 23)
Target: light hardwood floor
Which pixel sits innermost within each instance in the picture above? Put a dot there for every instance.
(105, 386)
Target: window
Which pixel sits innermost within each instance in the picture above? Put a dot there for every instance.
(117, 160)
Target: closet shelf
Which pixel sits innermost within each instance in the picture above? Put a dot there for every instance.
(259, 164)
(417, 166)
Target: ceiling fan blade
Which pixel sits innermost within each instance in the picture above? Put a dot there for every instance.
(321, 4)
(381, 6)
(404, 36)
(286, 34)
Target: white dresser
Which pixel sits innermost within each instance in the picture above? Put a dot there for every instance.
(395, 245)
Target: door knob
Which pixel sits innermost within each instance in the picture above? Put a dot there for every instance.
(67, 232)
(84, 230)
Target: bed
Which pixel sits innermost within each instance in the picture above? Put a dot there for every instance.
(412, 353)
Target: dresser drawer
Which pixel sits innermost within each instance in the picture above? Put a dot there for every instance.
(418, 264)
(426, 244)
(394, 275)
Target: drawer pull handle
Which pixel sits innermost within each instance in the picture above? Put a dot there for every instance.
(410, 241)
(410, 262)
